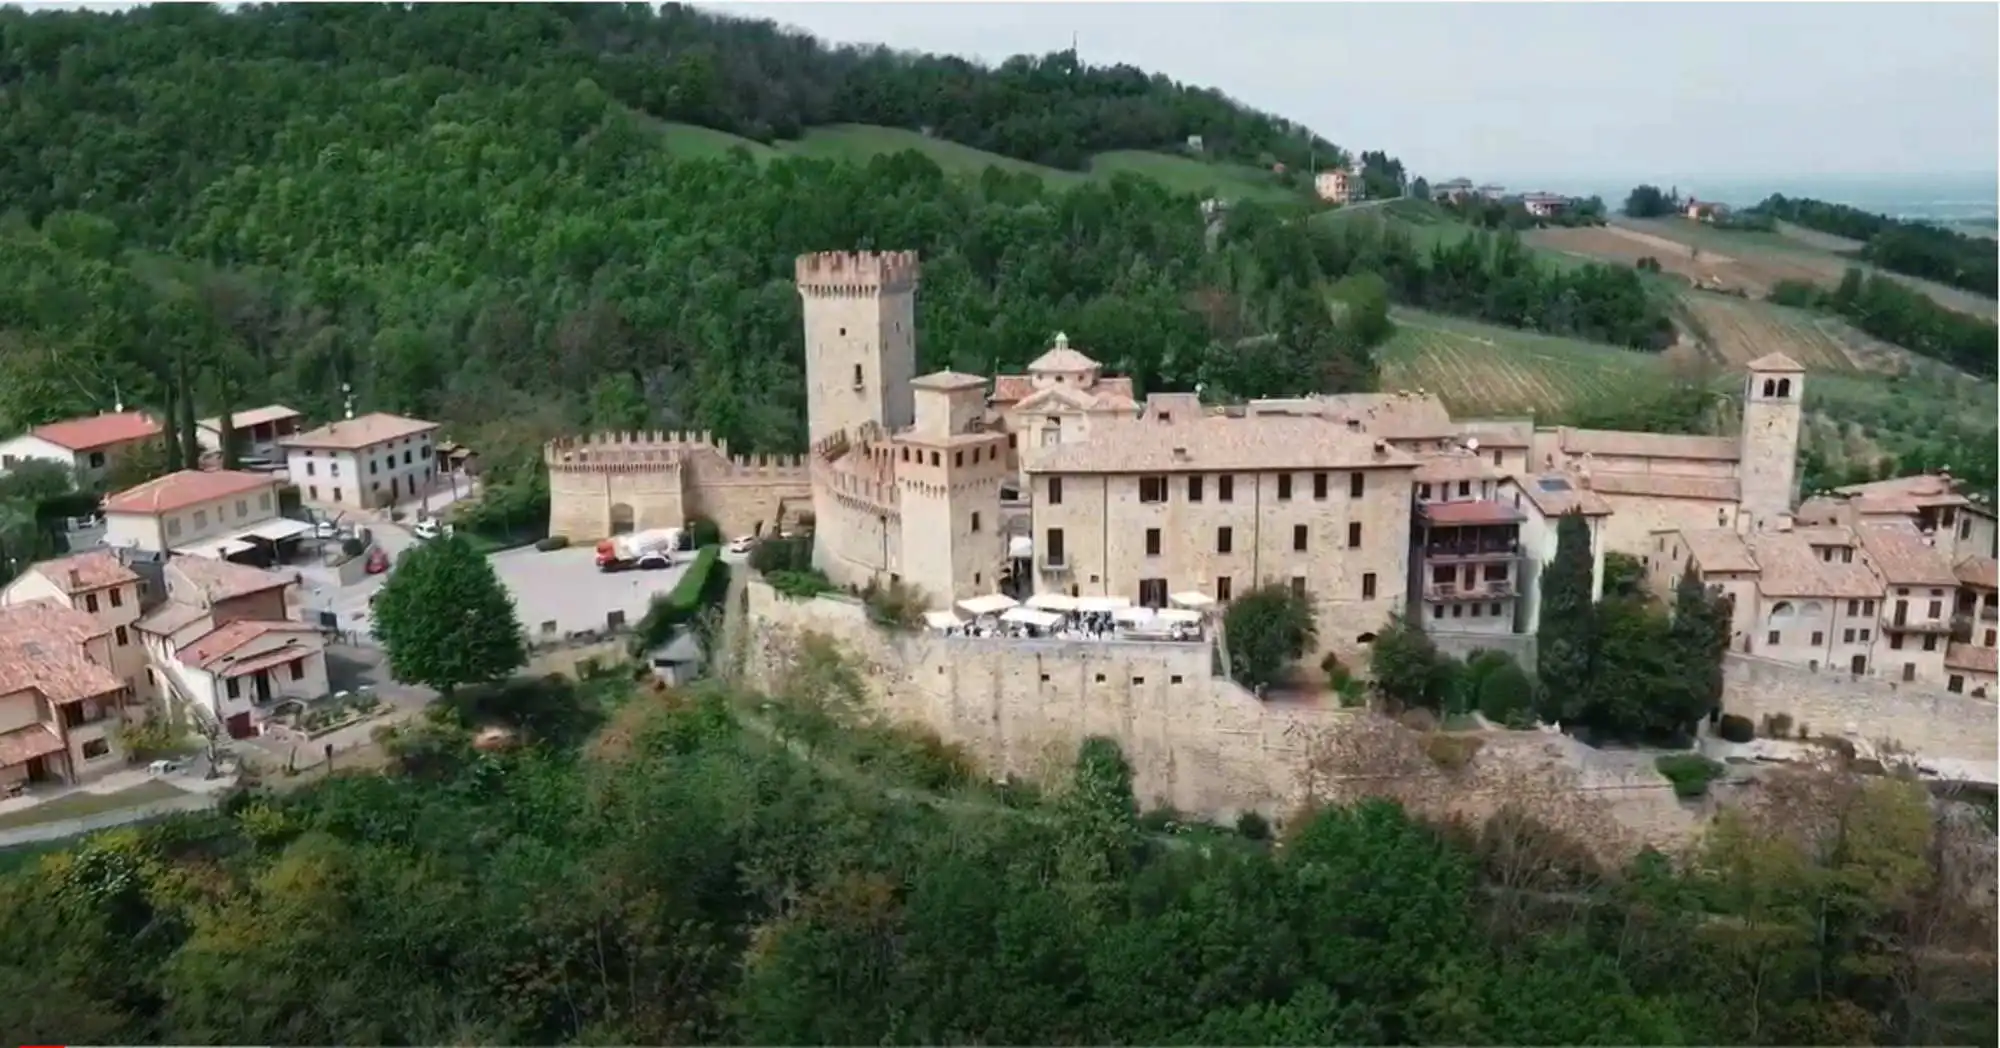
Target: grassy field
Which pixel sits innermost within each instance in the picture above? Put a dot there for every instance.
(1741, 330)
(78, 805)
(858, 143)
(1480, 369)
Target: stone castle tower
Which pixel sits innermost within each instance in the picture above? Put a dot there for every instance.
(860, 312)
(1767, 472)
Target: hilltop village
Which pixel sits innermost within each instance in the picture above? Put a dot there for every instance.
(1063, 481)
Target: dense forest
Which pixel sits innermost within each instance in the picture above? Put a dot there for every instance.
(648, 869)
(1902, 315)
(1915, 249)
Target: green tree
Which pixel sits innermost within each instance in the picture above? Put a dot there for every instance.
(1648, 201)
(1267, 630)
(1700, 638)
(1407, 667)
(1566, 640)
(446, 620)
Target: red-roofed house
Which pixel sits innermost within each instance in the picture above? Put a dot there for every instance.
(211, 513)
(97, 583)
(86, 445)
(59, 700)
(225, 643)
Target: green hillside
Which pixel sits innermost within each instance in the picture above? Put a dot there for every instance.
(1483, 369)
(858, 143)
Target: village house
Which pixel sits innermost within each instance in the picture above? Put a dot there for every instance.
(88, 446)
(1543, 500)
(1706, 211)
(1931, 503)
(259, 432)
(1545, 205)
(374, 461)
(1467, 557)
(60, 702)
(203, 513)
(1454, 191)
(1969, 662)
(227, 644)
(1333, 185)
(97, 583)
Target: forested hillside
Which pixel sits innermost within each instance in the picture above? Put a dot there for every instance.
(1916, 249)
(686, 873)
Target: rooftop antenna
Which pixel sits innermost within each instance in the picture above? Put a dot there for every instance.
(347, 399)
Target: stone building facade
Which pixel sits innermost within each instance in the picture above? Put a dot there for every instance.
(611, 483)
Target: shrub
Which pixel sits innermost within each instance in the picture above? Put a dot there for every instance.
(1736, 729)
(353, 546)
(1777, 726)
(1418, 719)
(1452, 752)
(704, 584)
(1689, 772)
(800, 585)
(1253, 826)
(1506, 692)
(552, 543)
(791, 553)
(152, 739)
(897, 605)
(704, 532)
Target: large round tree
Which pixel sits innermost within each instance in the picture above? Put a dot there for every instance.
(446, 620)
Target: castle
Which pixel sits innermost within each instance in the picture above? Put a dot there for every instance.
(1064, 480)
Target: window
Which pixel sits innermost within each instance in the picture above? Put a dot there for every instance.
(1909, 672)
(1937, 608)
(1298, 537)
(1284, 487)
(406, 458)
(1357, 482)
(1988, 643)
(1354, 533)
(1853, 608)
(173, 526)
(1496, 609)
(234, 687)
(1223, 584)
(90, 603)
(1194, 488)
(1224, 540)
(1457, 611)
(117, 597)
(1152, 542)
(1464, 488)
(975, 523)
(124, 638)
(1153, 593)
(1818, 638)
(1477, 610)
(1930, 642)
(96, 748)
(1152, 489)
(1319, 486)
(857, 377)
(1771, 638)
(1847, 636)
(1867, 607)
(298, 669)
(1955, 685)
(1298, 585)
(1225, 488)
(373, 466)
(264, 501)
(958, 459)
(1424, 491)
(312, 468)
(312, 492)
(1053, 546)
(97, 460)
(200, 519)
(1865, 634)
(1368, 586)
(1055, 491)
(336, 494)
(1896, 641)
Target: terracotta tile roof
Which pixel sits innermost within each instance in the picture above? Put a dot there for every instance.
(1555, 494)
(83, 434)
(1062, 359)
(172, 617)
(1392, 416)
(212, 650)
(1788, 567)
(1905, 495)
(1666, 486)
(1776, 362)
(81, 572)
(1623, 444)
(25, 744)
(1010, 389)
(1476, 511)
(218, 580)
(360, 432)
(1499, 432)
(253, 417)
(1718, 549)
(1901, 556)
(1978, 571)
(1966, 657)
(1437, 469)
(1214, 444)
(189, 487)
(947, 380)
(42, 647)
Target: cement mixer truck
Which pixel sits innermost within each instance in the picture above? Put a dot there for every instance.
(647, 550)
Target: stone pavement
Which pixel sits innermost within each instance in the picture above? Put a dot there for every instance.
(198, 791)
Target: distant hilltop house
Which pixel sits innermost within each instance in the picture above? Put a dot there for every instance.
(1194, 143)
(1453, 191)
(1492, 192)
(1334, 185)
(1545, 205)
(1706, 210)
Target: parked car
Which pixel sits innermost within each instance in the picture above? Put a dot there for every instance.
(742, 545)
(428, 529)
(378, 561)
(326, 529)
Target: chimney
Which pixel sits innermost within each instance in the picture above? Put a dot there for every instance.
(1181, 454)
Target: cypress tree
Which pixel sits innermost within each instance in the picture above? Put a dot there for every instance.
(1566, 641)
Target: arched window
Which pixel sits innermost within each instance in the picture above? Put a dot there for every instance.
(1781, 610)
(1784, 388)
(1770, 388)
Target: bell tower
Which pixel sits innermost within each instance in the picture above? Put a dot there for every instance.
(1768, 450)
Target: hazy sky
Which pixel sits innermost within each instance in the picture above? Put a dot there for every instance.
(1511, 91)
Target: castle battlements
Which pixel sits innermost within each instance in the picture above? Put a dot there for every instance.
(653, 448)
(875, 496)
(843, 274)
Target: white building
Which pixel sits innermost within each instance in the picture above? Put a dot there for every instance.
(209, 513)
(86, 445)
(373, 461)
(259, 431)
(227, 645)
(1542, 501)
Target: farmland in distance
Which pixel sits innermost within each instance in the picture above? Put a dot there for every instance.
(1481, 369)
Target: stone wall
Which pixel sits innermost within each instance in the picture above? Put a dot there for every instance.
(1923, 719)
(1519, 645)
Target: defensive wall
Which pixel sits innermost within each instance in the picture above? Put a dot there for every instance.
(605, 483)
(1926, 721)
(1196, 741)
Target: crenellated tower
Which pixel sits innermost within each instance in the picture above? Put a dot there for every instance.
(860, 312)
